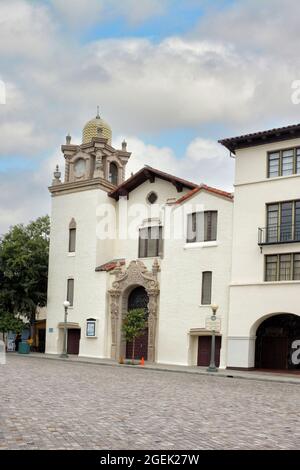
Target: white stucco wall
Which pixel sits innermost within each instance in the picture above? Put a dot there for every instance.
(181, 279)
(89, 286)
(136, 207)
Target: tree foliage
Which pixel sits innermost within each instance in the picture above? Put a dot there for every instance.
(134, 323)
(24, 254)
(9, 322)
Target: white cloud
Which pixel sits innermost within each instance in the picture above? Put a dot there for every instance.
(12, 133)
(26, 30)
(204, 161)
(142, 86)
(78, 13)
(202, 149)
(24, 194)
(255, 25)
(235, 70)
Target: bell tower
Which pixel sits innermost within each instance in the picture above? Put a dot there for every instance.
(94, 161)
(79, 242)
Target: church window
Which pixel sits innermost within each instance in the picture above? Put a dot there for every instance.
(150, 242)
(152, 197)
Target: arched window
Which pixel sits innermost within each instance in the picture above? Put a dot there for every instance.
(113, 173)
(72, 236)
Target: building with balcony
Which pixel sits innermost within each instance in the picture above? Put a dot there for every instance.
(264, 309)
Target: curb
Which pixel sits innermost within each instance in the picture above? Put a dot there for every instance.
(221, 373)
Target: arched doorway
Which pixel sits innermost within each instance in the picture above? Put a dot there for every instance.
(126, 279)
(274, 338)
(138, 298)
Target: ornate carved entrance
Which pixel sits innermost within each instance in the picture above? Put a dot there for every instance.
(138, 298)
(125, 281)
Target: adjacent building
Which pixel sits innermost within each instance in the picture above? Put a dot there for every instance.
(264, 310)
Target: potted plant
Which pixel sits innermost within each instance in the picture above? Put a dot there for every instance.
(135, 322)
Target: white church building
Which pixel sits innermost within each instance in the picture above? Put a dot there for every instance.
(159, 242)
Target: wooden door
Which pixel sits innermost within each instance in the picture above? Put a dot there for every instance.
(73, 341)
(140, 348)
(274, 352)
(42, 340)
(204, 348)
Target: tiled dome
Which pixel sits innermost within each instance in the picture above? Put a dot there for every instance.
(90, 130)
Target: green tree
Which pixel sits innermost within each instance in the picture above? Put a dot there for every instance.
(135, 322)
(24, 252)
(8, 322)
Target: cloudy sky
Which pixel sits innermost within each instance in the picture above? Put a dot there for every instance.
(171, 77)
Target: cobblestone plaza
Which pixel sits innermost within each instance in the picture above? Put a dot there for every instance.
(47, 404)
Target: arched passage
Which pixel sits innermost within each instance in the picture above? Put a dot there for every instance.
(274, 340)
(138, 298)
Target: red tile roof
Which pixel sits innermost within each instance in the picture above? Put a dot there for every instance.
(209, 189)
(149, 173)
(110, 265)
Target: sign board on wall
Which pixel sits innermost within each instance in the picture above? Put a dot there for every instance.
(213, 324)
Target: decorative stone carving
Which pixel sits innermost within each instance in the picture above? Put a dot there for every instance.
(114, 313)
(135, 275)
(57, 175)
(99, 165)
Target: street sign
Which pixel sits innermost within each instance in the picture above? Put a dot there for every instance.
(213, 323)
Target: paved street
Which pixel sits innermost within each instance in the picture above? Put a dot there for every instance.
(47, 404)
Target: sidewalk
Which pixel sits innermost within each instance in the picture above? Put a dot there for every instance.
(288, 377)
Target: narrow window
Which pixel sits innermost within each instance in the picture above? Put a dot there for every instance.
(297, 221)
(72, 236)
(273, 165)
(272, 222)
(286, 220)
(70, 291)
(191, 228)
(271, 268)
(206, 288)
(142, 242)
(296, 267)
(113, 173)
(298, 160)
(287, 164)
(285, 267)
(210, 226)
